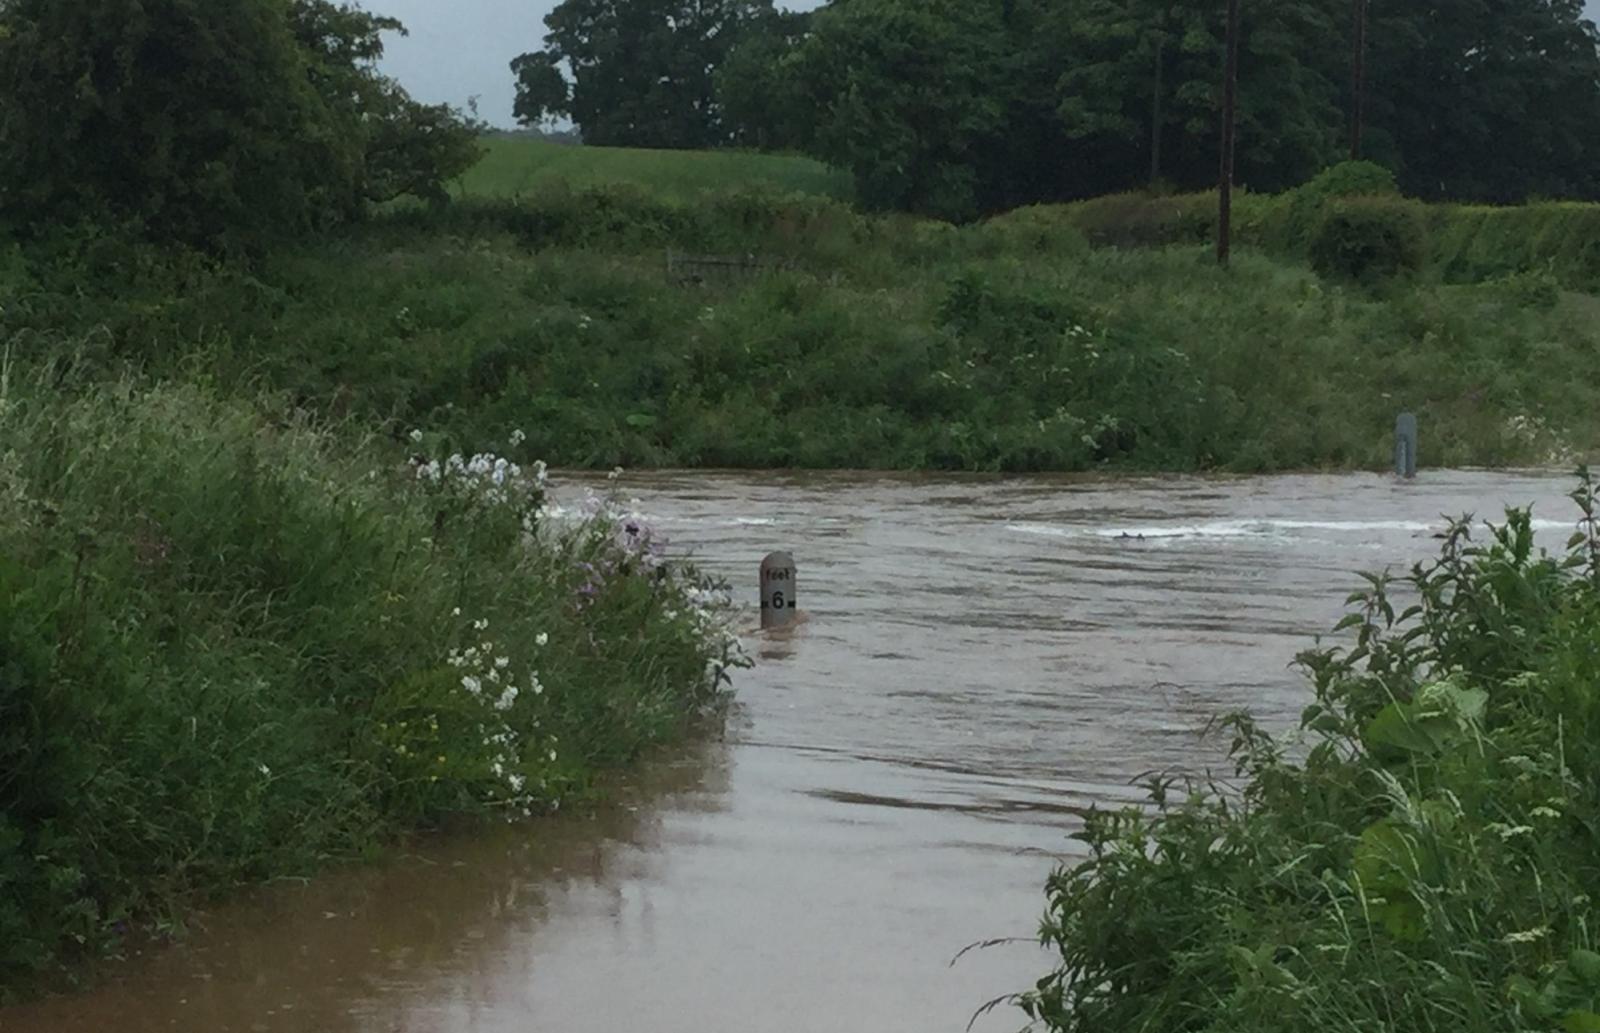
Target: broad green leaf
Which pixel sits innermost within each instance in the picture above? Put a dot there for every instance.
(1581, 1021)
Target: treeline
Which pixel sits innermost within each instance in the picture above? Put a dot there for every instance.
(956, 107)
(210, 124)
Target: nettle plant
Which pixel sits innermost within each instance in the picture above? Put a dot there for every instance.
(1423, 855)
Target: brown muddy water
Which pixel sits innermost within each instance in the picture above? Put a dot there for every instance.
(984, 658)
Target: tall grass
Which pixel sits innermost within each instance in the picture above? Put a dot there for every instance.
(1425, 856)
(235, 643)
(515, 166)
(1009, 345)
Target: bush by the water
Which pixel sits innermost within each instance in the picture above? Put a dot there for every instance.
(236, 643)
(1369, 239)
(1425, 856)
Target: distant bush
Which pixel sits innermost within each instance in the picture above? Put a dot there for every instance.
(1369, 239)
(1534, 289)
(1300, 211)
(1139, 220)
(1037, 229)
(1473, 243)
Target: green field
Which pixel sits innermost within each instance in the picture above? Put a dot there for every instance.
(515, 166)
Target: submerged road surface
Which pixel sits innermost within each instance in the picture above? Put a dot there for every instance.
(983, 659)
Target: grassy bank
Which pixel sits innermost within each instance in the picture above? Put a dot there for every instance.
(519, 166)
(237, 642)
(1424, 856)
(888, 343)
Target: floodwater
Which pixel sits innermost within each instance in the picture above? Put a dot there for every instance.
(983, 659)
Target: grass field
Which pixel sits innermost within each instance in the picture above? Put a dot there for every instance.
(517, 165)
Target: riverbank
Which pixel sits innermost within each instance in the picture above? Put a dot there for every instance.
(1422, 855)
(848, 342)
(239, 643)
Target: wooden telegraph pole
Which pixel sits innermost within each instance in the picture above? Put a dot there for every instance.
(1230, 91)
(1358, 80)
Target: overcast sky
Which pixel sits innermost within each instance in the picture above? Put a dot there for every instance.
(463, 48)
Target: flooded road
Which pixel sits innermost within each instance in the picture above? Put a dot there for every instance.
(983, 658)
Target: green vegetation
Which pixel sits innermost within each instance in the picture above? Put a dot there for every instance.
(1457, 243)
(215, 125)
(520, 166)
(641, 72)
(890, 343)
(1040, 101)
(277, 578)
(236, 643)
(1422, 857)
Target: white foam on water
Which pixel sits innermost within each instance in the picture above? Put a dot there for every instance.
(1255, 528)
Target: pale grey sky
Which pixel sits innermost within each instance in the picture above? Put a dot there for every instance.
(463, 48)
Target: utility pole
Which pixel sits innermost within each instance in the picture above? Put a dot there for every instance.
(1155, 112)
(1358, 80)
(1230, 91)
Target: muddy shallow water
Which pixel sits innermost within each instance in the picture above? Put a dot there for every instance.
(983, 659)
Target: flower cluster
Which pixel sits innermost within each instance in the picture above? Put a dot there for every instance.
(511, 741)
(495, 478)
(614, 543)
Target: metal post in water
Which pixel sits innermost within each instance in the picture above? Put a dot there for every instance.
(777, 590)
(1405, 445)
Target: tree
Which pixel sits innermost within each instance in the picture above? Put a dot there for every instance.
(1489, 100)
(1140, 85)
(408, 148)
(641, 70)
(215, 124)
(759, 98)
(908, 95)
(196, 119)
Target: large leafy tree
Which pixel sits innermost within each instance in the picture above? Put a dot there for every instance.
(637, 72)
(197, 119)
(1489, 100)
(408, 148)
(1139, 90)
(218, 124)
(910, 95)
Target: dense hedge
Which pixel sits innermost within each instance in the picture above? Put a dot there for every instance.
(1464, 243)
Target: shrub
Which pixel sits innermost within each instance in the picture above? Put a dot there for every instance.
(1475, 243)
(1423, 857)
(1301, 210)
(233, 644)
(1369, 239)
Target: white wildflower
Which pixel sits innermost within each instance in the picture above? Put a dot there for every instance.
(517, 438)
(472, 685)
(266, 772)
(416, 435)
(542, 639)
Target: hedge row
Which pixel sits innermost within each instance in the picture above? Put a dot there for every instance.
(1462, 243)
